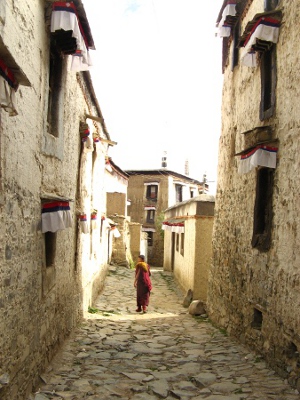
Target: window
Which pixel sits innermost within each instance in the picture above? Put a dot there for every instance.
(150, 239)
(50, 248)
(182, 244)
(177, 241)
(150, 216)
(292, 351)
(55, 90)
(270, 4)
(151, 193)
(235, 50)
(257, 319)
(178, 192)
(262, 225)
(191, 193)
(101, 229)
(225, 52)
(268, 83)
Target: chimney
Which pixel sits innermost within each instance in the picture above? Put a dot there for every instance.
(164, 160)
(186, 167)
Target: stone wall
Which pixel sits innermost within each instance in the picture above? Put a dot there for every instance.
(39, 304)
(116, 204)
(117, 209)
(121, 245)
(203, 254)
(255, 294)
(92, 247)
(138, 241)
(188, 254)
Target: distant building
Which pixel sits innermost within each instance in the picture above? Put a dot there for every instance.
(188, 243)
(151, 192)
(116, 183)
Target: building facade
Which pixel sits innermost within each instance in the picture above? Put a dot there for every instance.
(53, 147)
(151, 192)
(116, 183)
(188, 243)
(254, 282)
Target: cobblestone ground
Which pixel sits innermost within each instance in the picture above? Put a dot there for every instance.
(163, 354)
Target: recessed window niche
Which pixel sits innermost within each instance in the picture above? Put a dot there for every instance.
(257, 319)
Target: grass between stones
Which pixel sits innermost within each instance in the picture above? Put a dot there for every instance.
(105, 313)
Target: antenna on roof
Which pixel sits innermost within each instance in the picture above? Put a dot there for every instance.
(164, 160)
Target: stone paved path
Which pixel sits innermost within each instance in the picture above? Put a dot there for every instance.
(163, 354)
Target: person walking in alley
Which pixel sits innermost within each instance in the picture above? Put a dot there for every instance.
(142, 283)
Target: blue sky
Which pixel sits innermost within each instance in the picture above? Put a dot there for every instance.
(157, 76)
(132, 6)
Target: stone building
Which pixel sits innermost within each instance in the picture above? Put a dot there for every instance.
(116, 183)
(151, 192)
(254, 285)
(53, 147)
(188, 243)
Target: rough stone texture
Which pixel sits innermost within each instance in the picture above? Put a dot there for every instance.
(188, 298)
(138, 240)
(245, 282)
(165, 353)
(39, 305)
(117, 203)
(197, 307)
(121, 254)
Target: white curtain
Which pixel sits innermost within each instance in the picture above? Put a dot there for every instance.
(262, 32)
(67, 21)
(7, 97)
(223, 30)
(264, 157)
(56, 216)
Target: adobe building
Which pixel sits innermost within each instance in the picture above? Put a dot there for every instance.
(254, 285)
(151, 192)
(188, 243)
(116, 183)
(53, 147)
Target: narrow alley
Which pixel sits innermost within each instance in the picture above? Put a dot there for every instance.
(166, 353)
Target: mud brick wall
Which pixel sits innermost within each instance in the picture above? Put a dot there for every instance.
(255, 294)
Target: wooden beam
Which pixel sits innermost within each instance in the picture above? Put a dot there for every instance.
(98, 119)
(110, 142)
(52, 196)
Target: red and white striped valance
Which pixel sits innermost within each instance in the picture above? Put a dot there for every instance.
(56, 215)
(83, 222)
(94, 220)
(263, 156)
(151, 183)
(263, 34)
(148, 208)
(115, 231)
(228, 15)
(8, 87)
(64, 17)
(145, 229)
(174, 225)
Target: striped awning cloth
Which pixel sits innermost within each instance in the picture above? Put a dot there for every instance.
(173, 225)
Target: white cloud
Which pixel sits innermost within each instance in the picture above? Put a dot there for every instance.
(157, 76)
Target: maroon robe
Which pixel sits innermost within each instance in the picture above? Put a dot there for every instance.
(143, 284)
